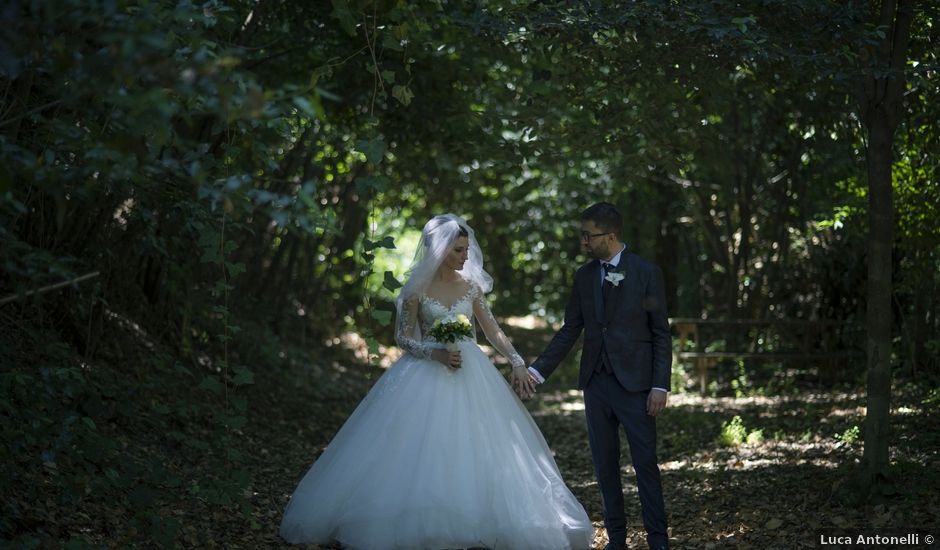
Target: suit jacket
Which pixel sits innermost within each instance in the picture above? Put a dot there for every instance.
(631, 327)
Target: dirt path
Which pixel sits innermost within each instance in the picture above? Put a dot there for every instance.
(775, 480)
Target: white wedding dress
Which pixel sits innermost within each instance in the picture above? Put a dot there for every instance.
(439, 458)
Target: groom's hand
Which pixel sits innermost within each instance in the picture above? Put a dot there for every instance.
(656, 402)
(522, 382)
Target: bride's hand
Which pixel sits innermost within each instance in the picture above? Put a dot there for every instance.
(522, 382)
(449, 358)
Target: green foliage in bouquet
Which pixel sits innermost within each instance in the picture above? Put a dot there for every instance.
(451, 329)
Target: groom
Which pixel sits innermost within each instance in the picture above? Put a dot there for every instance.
(619, 302)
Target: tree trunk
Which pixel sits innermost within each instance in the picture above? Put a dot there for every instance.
(881, 237)
(880, 95)
(918, 325)
(667, 253)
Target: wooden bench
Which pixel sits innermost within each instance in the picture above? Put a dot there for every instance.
(813, 340)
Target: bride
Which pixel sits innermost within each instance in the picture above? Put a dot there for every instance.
(441, 453)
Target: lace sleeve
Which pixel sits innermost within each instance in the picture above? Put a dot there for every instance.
(494, 334)
(406, 329)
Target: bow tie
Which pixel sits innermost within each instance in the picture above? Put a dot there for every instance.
(608, 266)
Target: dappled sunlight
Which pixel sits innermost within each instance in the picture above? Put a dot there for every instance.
(691, 444)
(846, 412)
(357, 344)
(769, 454)
(131, 326)
(528, 322)
(571, 407)
(784, 478)
(123, 211)
(710, 404)
(563, 402)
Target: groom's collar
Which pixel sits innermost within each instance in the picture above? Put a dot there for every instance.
(616, 259)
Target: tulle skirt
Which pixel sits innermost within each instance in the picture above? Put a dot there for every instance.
(435, 458)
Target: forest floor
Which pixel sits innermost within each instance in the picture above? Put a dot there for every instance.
(775, 478)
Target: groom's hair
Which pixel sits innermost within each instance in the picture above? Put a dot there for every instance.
(605, 216)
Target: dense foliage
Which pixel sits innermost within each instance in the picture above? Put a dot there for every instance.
(238, 176)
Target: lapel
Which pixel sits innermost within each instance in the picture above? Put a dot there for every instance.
(626, 287)
(595, 277)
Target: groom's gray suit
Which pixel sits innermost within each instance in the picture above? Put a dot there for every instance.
(627, 351)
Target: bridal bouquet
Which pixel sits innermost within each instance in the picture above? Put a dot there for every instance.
(450, 329)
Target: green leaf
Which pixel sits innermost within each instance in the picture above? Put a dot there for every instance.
(403, 94)
(373, 149)
(239, 403)
(365, 183)
(235, 269)
(344, 15)
(391, 282)
(387, 242)
(221, 286)
(312, 109)
(391, 42)
(236, 422)
(243, 377)
(384, 317)
(373, 344)
(89, 422)
(328, 95)
(212, 384)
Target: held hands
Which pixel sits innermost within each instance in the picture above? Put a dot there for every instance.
(449, 358)
(523, 383)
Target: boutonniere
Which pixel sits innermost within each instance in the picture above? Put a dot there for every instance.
(614, 278)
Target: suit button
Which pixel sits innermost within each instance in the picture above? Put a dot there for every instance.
(603, 329)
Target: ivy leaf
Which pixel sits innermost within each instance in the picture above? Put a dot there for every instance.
(391, 282)
(235, 269)
(236, 422)
(344, 15)
(373, 344)
(212, 384)
(403, 94)
(243, 377)
(365, 183)
(390, 42)
(387, 242)
(312, 109)
(373, 149)
(384, 317)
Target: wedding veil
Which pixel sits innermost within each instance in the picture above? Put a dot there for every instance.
(437, 239)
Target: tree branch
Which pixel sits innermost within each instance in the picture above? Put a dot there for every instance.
(49, 288)
(31, 111)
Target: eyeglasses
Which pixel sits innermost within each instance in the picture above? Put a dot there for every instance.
(585, 236)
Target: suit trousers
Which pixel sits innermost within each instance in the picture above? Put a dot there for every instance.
(608, 406)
